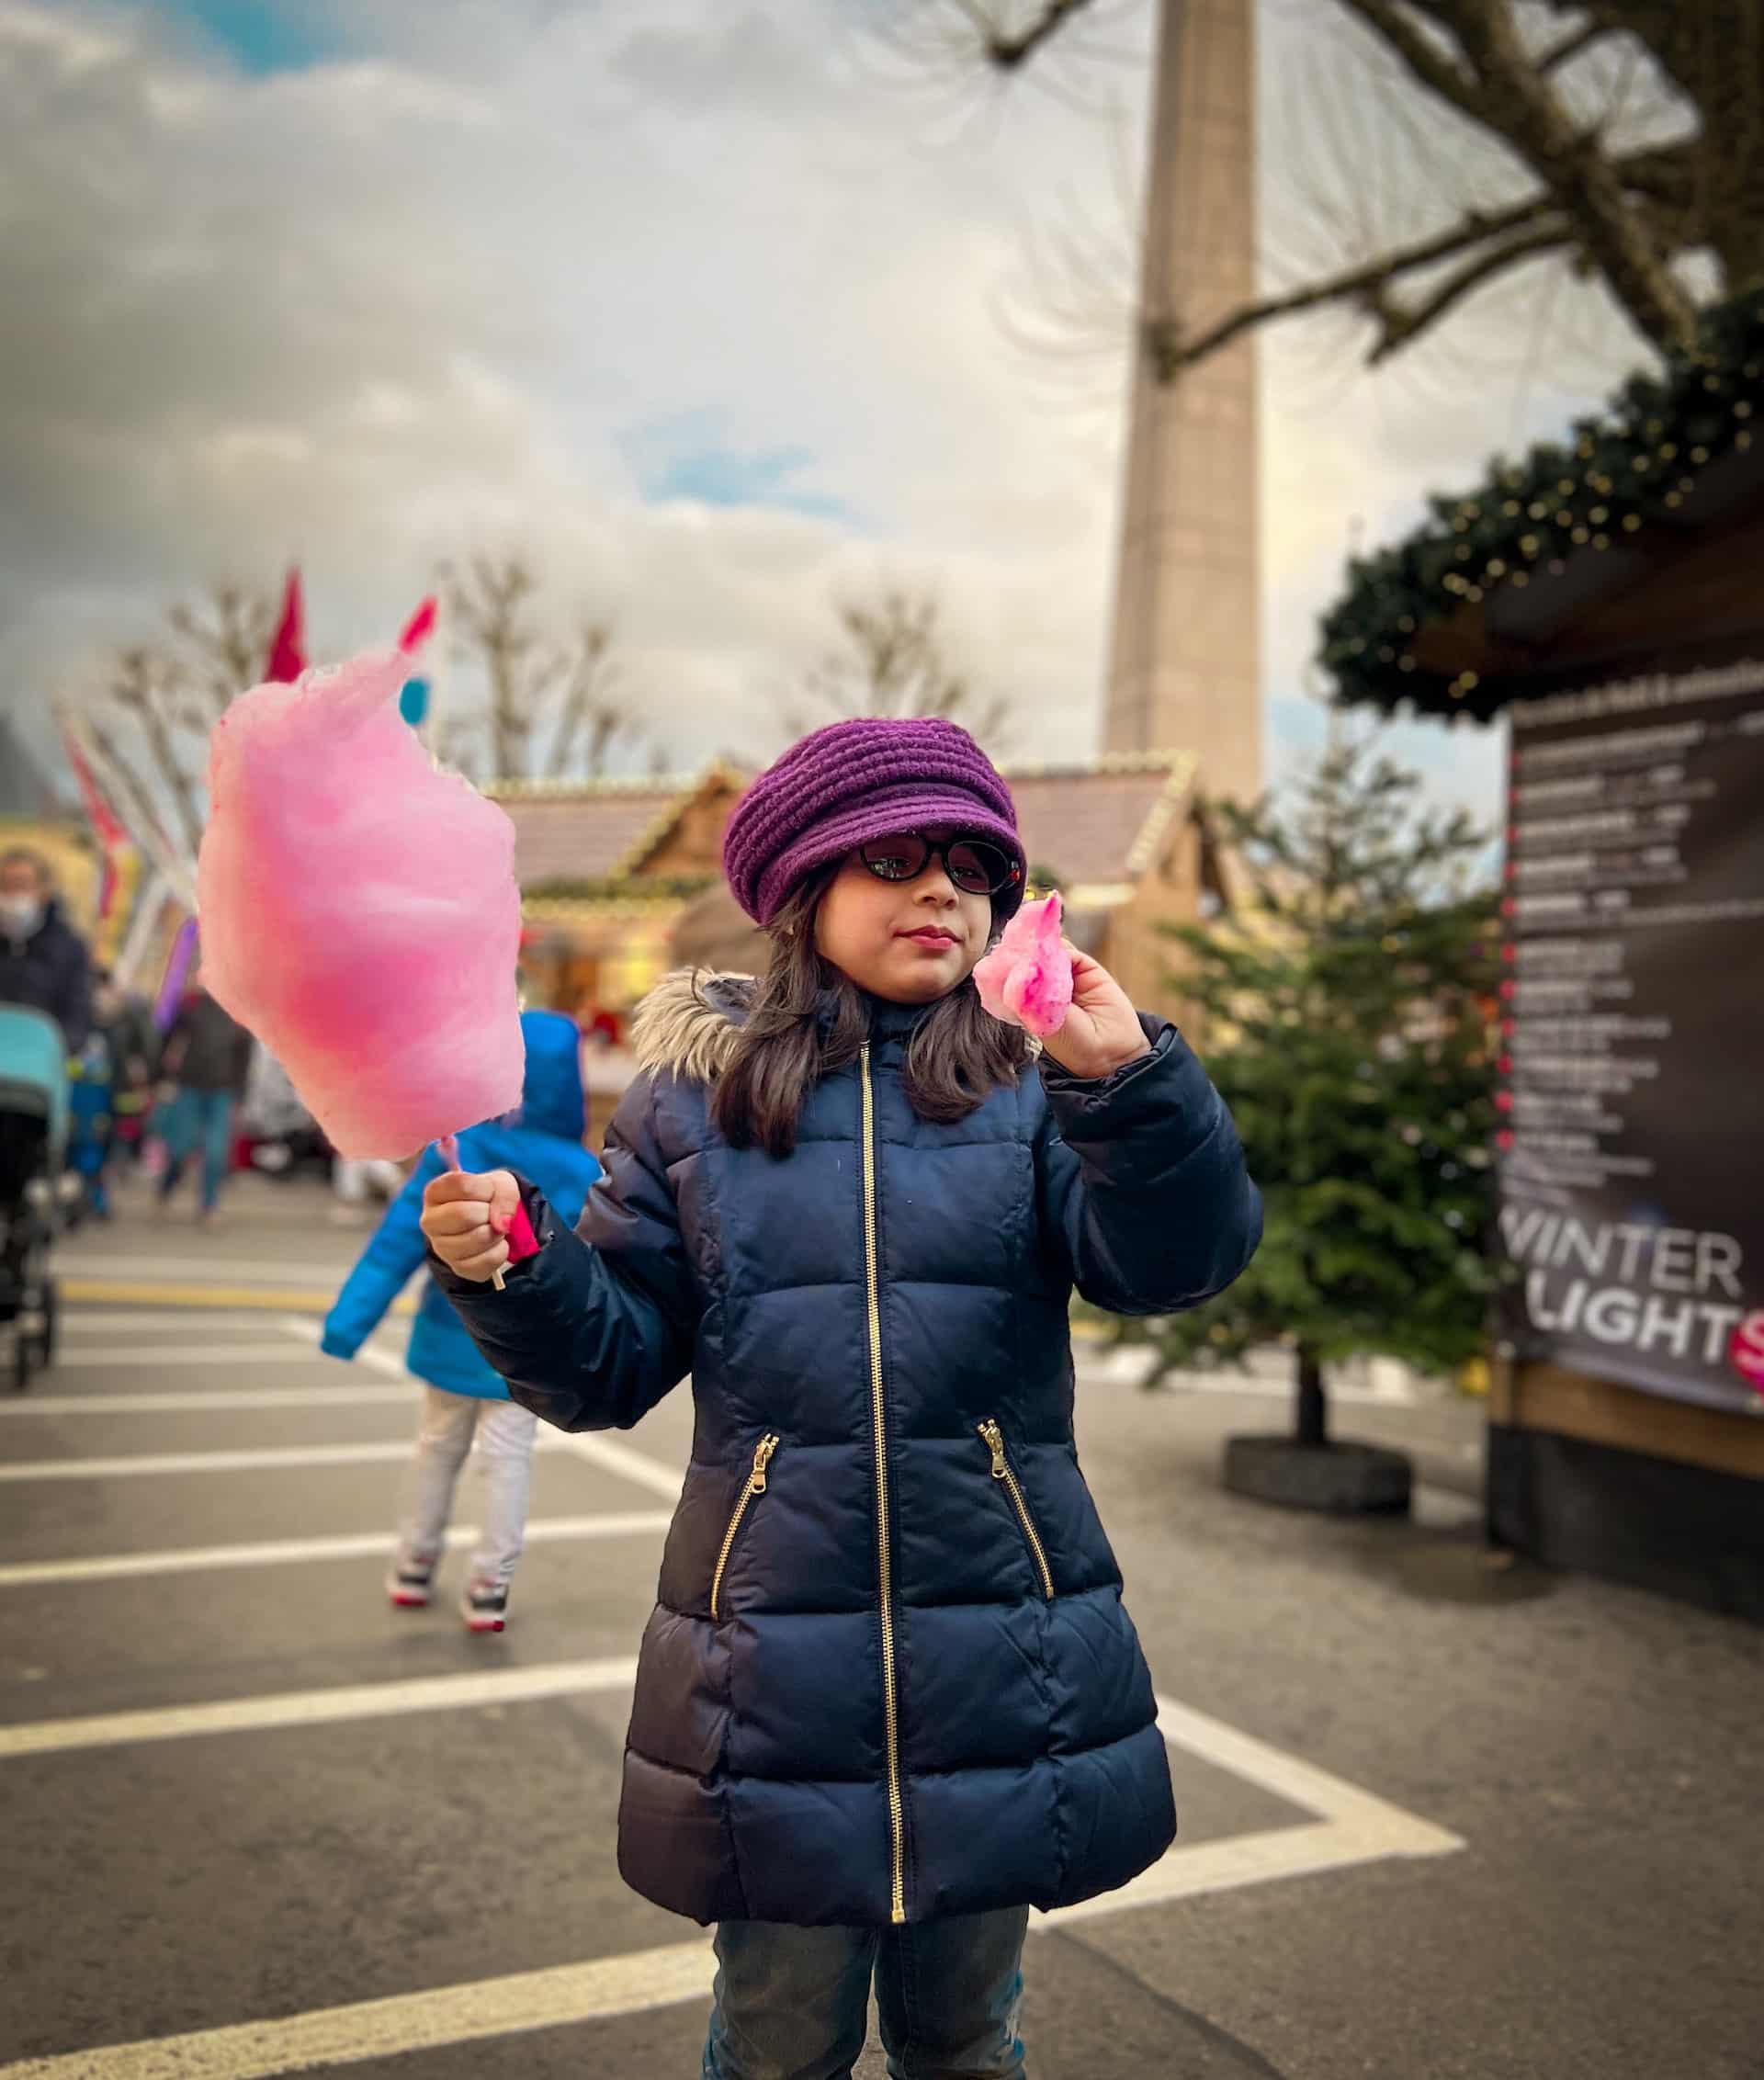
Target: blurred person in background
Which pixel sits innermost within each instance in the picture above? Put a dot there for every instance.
(465, 1401)
(353, 1178)
(125, 1020)
(42, 958)
(607, 1068)
(206, 1058)
(92, 1125)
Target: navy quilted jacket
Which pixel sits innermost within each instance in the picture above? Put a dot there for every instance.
(888, 1675)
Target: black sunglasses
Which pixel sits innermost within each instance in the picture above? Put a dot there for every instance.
(976, 866)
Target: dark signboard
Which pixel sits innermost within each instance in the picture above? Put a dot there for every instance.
(1632, 1150)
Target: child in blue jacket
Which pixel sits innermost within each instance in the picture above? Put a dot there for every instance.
(465, 1399)
(890, 1697)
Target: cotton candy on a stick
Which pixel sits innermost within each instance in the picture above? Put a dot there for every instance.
(358, 910)
(1026, 980)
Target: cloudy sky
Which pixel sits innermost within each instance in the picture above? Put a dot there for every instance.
(697, 301)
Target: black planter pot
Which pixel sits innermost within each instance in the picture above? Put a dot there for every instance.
(1341, 1480)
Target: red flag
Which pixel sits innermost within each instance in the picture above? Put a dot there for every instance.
(288, 646)
(419, 627)
(107, 826)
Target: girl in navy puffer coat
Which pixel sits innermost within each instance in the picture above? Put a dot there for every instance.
(468, 1404)
(889, 1698)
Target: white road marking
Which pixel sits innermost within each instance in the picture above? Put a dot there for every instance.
(145, 1463)
(599, 1450)
(181, 1321)
(74, 1358)
(1299, 1782)
(120, 1266)
(317, 1708)
(255, 1460)
(281, 1552)
(1353, 1826)
(196, 1401)
(407, 2022)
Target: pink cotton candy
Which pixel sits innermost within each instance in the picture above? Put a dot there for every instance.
(358, 910)
(1026, 980)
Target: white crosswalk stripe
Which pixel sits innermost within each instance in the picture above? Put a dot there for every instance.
(287, 1552)
(82, 1357)
(143, 1465)
(317, 1708)
(198, 1402)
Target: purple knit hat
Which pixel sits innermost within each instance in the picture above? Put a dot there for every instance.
(854, 780)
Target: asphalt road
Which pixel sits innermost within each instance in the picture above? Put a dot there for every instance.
(1442, 1816)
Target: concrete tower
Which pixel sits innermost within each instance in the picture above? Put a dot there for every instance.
(1185, 658)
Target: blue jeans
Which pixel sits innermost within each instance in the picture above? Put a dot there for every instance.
(204, 1119)
(793, 2003)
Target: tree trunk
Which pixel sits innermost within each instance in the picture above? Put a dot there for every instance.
(1312, 1411)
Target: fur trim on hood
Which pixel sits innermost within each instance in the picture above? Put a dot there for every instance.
(688, 1022)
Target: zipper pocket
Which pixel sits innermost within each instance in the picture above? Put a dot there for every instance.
(755, 1484)
(992, 1437)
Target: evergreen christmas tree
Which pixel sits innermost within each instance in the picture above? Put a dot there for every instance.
(1347, 1008)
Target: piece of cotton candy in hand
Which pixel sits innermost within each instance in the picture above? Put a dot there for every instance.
(1026, 980)
(358, 910)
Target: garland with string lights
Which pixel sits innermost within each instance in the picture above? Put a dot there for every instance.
(1636, 463)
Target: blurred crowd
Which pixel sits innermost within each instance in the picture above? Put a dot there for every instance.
(176, 1089)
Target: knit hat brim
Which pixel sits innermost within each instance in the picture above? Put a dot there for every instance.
(882, 815)
(852, 781)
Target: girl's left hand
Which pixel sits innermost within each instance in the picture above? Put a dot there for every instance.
(1101, 1033)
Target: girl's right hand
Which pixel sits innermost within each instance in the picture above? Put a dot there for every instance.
(466, 1218)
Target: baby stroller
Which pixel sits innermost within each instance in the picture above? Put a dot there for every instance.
(33, 1148)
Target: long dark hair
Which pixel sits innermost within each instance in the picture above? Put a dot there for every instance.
(958, 1053)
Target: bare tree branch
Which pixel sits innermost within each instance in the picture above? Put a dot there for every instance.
(223, 645)
(586, 705)
(142, 689)
(1571, 46)
(146, 723)
(891, 661)
(1640, 121)
(531, 683)
(1365, 283)
(1398, 325)
(1446, 73)
(1494, 80)
(1007, 53)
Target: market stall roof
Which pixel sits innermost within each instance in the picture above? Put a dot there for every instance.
(592, 830)
(1097, 823)
(1566, 554)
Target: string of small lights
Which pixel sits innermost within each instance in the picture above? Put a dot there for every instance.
(1637, 462)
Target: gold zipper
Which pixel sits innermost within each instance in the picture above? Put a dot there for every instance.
(897, 1808)
(755, 1484)
(992, 1437)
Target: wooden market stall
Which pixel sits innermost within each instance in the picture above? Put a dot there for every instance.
(1603, 598)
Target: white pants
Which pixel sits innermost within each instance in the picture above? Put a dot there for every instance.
(351, 1176)
(505, 1432)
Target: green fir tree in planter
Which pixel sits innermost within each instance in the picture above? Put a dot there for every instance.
(1347, 1005)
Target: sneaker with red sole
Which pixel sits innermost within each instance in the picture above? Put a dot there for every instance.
(484, 1607)
(410, 1583)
